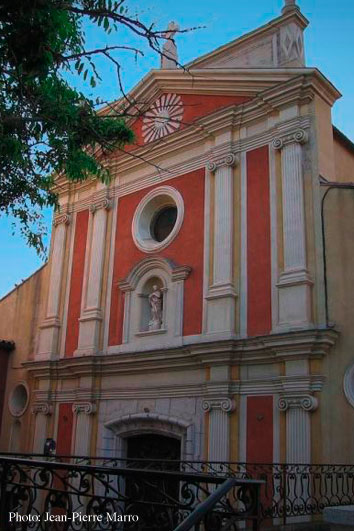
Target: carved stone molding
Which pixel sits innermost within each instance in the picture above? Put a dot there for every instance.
(84, 407)
(229, 159)
(43, 408)
(100, 203)
(175, 271)
(305, 402)
(300, 136)
(62, 218)
(224, 404)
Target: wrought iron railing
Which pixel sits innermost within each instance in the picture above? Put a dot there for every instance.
(290, 490)
(59, 496)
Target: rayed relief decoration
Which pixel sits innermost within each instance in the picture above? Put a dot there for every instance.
(163, 118)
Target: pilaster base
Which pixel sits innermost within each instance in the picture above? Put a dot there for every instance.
(220, 311)
(294, 293)
(48, 339)
(89, 331)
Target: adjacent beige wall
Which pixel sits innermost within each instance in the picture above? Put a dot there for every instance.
(21, 312)
(344, 160)
(337, 416)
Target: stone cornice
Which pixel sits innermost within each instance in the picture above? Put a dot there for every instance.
(306, 344)
(251, 387)
(291, 16)
(199, 161)
(272, 88)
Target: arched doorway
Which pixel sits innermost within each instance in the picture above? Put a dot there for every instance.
(150, 446)
(141, 451)
(175, 437)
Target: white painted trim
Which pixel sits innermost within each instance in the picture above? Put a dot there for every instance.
(14, 412)
(67, 289)
(274, 236)
(145, 212)
(243, 242)
(195, 162)
(207, 195)
(110, 287)
(276, 430)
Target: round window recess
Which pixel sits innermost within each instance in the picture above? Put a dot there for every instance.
(348, 385)
(158, 219)
(18, 400)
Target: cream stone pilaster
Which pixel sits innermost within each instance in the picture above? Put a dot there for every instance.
(41, 411)
(84, 412)
(221, 294)
(49, 329)
(219, 427)
(294, 286)
(298, 426)
(91, 313)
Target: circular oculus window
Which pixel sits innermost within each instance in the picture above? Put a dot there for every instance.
(348, 385)
(158, 219)
(18, 400)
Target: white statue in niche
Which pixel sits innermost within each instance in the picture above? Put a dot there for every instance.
(155, 301)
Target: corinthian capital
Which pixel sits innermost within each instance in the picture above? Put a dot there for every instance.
(100, 203)
(84, 407)
(306, 402)
(225, 404)
(61, 218)
(217, 161)
(44, 408)
(299, 135)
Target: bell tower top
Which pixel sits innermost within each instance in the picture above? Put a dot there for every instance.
(289, 6)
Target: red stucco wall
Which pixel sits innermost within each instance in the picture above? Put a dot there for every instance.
(186, 249)
(259, 316)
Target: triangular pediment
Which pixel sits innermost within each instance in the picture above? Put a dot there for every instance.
(278, 43)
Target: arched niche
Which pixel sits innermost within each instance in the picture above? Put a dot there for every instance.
(137, 286)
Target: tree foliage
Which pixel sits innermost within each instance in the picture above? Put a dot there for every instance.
(46, 125)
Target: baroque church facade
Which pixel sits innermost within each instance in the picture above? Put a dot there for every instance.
(200, 306)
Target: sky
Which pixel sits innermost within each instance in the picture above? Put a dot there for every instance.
(329, 45)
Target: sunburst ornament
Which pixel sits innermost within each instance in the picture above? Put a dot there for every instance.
(163, 118)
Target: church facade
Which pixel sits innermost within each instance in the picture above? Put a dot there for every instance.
(199, 307)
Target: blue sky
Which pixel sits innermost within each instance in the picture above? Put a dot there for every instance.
(329, 46)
